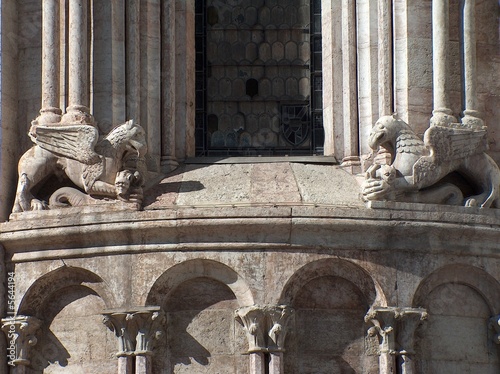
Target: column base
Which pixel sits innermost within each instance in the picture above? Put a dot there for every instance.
(352, 164)
(471, 119)
(78, 115)
(442, 116)
(48, 116)
(168, 164)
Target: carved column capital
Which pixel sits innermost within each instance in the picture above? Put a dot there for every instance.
(20, 332)
(253, 319)
(495, 325)
(279, 317)
(137, 330)
(395, 324)
(384, 324)
(150, 330)
(410, 319)
(266, 326)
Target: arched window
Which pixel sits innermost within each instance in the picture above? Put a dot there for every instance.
(258, 71)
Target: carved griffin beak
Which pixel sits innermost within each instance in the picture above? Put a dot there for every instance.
(139, 147)
(376, 138)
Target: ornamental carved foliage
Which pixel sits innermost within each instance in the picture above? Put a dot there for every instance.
(266, 327)
(70, 165)
(449, 166)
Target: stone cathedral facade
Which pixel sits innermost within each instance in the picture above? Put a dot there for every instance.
(250, 186)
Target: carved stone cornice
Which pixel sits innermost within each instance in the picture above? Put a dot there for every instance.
(394, 324)
(20, 332)
(137, 330)
(266, 326)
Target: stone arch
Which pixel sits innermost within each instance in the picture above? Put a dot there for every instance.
(63, 277)
(460, 300)
(199, 298)
(477, 279)
(338, 268)
(69, 302)
(199, 268)
(330, 298)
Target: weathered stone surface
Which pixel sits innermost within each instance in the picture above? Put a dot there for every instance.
(215, 238)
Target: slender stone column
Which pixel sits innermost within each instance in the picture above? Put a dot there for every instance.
(266, 328)
(137, 331)
(350, 100)
(253, 319)
(384, 325)
(78, 96)
(280, 317)
(168, 159)
(50, 113)
(440, 40)
(385, 57)
(410, 319)
(393, 325)
(20, 332)
(471, 115)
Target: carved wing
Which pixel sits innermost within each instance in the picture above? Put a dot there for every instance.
(447, 143)
(91, 173)
(74, 141)
(455, 141)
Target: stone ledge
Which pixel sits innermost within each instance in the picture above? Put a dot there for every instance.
(247, 228)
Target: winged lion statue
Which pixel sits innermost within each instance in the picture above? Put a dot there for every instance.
(419, 167)
(96, 166)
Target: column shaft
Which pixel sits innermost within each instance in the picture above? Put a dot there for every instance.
(350, 102)
(168, 159)
(143, 364)
(125, 365)
(257, 363)
(469, 58)
(276, 364)
(50, 112)
(78, 93)
(440, 41)
(385, 57)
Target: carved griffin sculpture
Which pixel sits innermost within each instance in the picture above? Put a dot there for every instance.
(100, 167)
(418, 167)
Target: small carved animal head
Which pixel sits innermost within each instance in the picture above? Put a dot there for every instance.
(124, 179)
(386, 173)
